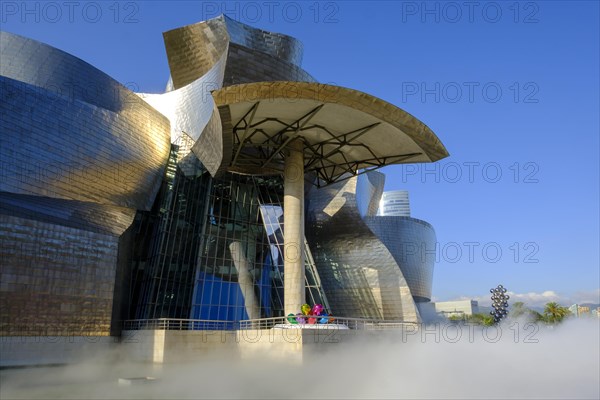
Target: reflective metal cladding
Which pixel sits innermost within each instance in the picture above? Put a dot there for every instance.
(207, 56)
(80, 153)
(359, 274)
(69, 131)
(411, 242)
(370, 265)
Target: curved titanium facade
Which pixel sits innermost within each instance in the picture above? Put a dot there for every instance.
(193, 114)
(357, 251)
(258, 56)
(70, 131)
(80, 154)
(193, 50)
(358, 272)
(247, 65)
(411, 242)
(369, 188)
(283, 47)
(197, 57)
(207, 56)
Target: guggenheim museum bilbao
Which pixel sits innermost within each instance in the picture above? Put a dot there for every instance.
(243, 191)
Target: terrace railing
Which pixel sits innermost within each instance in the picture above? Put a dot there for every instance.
(260, 323)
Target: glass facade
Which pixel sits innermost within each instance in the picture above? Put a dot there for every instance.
(165, 273)
(394, 203)
(212, 248)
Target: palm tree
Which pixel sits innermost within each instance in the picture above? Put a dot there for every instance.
(554, 312)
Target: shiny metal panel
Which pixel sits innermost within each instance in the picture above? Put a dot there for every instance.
(411, 242)
(80, 153)
(284, 47)
(38, 64)
(245, 65)
(91, 217)
(359, 275)
(96, 142)
(209, 146)
(369, 188)
(207, 56)
(192, 111)
(193, 50)
(55, 280)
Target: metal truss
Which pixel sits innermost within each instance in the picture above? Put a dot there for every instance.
(256, 148)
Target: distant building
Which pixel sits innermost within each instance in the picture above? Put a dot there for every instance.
(579, 311)
(584, 310)
(394, 203)
(574, 309)
(485, 310)
(459, 308)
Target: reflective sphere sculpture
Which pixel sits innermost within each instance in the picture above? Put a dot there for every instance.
(499, 303)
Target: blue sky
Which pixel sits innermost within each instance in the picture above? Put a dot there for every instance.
(511, 89)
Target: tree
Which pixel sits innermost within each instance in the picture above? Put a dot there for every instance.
(554, 312)
(518, 309)
(481, 319)
(536, 316)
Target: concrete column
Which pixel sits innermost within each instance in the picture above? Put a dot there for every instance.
(293, 228)
(245, 280)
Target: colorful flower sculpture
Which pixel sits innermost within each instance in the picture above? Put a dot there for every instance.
(310, 315)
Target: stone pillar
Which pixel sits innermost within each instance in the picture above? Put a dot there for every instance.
(245, 280)
(293, 228)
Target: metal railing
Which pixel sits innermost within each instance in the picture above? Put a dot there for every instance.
(346, 322)
(261, 323)
(175, 324)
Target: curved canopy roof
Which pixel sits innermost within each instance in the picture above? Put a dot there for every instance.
(345, 132)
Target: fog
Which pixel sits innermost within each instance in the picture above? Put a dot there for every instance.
(520, 361)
